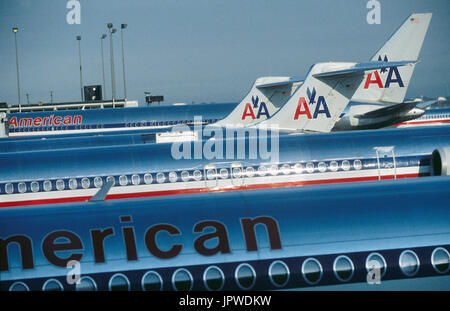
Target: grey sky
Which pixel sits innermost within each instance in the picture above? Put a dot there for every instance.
(203, 50)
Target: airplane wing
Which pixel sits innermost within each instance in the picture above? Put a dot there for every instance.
(393, 109)
(425, 104)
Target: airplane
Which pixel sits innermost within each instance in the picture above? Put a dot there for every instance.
(328, 88)
(107, 120)
(268, 94)
(431, 117)
(377, 102)
(390, 235)
(216, 165)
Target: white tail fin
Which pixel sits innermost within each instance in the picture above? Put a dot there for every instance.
(327, 90)
(390, 85)
(266, 96)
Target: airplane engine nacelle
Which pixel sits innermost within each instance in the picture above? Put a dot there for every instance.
(440, 162)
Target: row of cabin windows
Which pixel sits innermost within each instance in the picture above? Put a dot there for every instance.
(197, 175)
(440, 116)
(100, 126)
(245, 275)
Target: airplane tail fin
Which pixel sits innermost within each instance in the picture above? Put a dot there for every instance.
(265, 97)
(318, 103)
(390, 85)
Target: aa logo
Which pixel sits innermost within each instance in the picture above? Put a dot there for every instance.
(260, 107)
(303, 109)
(392, 77)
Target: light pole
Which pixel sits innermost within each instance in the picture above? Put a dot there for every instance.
(81, 73)
(122, 27)
(113, 79)
(15, 30)
(103, 66)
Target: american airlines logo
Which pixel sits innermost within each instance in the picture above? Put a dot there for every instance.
(393, 71)
(249, 110)
(303, 109)
(76, 244)
(45, 121)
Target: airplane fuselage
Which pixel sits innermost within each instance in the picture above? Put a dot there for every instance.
(143, 170)
(367, 233)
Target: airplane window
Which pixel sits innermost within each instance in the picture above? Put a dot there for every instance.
(250, 171)
(182, 280)
(9, 188)
(73, 184)
(22, 187)
(286, 169)
(85, 183)
(357, 165)
(111, 179)
(310, 167)
(18, 287)
(119, 282)
(262, 170)
(279, 273)
(135, 179)
(35, 186)
(334, 166)
(274, 170)
(47, 185)
(223, 173)
(237, 171)
(376, 261)
(343, 268)
(213, 278)
(160, 178)
(86, 283)
(60, 184)
(245, 276)
(52, 285)
(148, 179)
(197, 175)
(298, 168)
(185, 175)
(152, 281)
(210, 174)
(98, 182)
(173, 177)
(322, 167)
(345, 165)
(409, 263)
(123, 180)
(312, 271)
(440, 259)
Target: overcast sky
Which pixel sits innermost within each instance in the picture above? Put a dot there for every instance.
(203, 50)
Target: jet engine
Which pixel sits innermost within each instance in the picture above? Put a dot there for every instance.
(440, 162)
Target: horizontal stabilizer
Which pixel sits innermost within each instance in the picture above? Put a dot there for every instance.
(263, 84)
(361, 67)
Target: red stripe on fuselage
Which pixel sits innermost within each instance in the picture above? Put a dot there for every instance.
(423, 122)
(207, 190)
